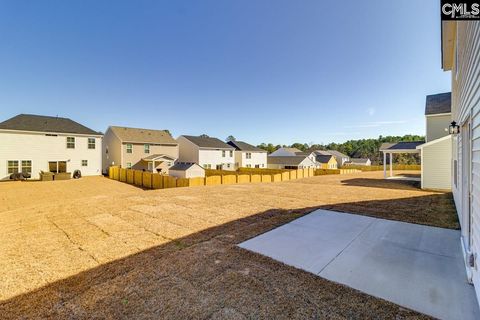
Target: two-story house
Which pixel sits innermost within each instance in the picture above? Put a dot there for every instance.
(34, 143)
(248, 156)
(140, 149)
(208, 152)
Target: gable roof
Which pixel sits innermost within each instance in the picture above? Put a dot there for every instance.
(37, 123)
(438, 103)
(400, 145)
(208, 142)
(183, 166)
(334, 153)
(243, 146)
(287, 160)
(359, 160)
(138, 135)
(322, 158)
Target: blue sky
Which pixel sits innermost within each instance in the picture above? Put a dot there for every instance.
(277, 71)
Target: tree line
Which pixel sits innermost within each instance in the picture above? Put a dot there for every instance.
(362, 148)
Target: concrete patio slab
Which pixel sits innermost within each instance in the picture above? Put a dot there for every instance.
(415, 266)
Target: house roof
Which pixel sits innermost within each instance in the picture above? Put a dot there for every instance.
(334, 153)
(322, 158)
(30, 122)
(183, 166)
(438, 103)
(138, 135)
(293, 150)
(359, 160)
(208, 142)
(157, 157)
(400, 145)
(243, 146)
(287, 160)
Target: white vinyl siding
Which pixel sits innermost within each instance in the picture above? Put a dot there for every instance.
(465, 105)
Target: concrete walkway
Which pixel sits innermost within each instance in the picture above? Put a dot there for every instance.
(418, 267)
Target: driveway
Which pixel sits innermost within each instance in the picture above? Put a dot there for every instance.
(415, 266)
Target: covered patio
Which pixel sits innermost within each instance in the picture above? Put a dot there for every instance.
(397, 148)
(154, 160)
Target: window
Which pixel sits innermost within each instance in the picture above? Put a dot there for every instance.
(12, 166)
(91, 143)
(207, 166)
(257, 166)
(57, 166)
(228, 165)
(231, 153)
(27, 166)
(129, 165)
(70, 142)
(146, 148)
(150, 166)
(84, 163)
(248, 165)
(223, 153)
(219, 167)
(248, 155)
(129, 148)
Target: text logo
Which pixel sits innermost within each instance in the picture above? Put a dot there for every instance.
(461, 10)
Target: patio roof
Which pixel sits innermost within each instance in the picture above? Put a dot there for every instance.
(155, 157)
(401, 147)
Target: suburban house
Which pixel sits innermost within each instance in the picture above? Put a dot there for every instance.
(248, 156)
(139, 149)
(340, 157)
(186, 170)
(291, 152)
(436, 153)
(290, 162)
(326, 161)
(359, 162)
(460, 52)
(210, 153)
(33, 143)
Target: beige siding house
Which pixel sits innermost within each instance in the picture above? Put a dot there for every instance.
(460, 55)
(248, 156)
(140, 149)
(339, 157)
(186, 170)
(436, 153)
(33, 143)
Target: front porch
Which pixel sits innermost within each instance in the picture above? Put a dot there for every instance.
(398, 148)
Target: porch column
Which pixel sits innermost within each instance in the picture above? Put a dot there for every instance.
(384, 165)
(391, 164)
(153, 166)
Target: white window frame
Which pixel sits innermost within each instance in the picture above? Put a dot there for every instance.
(231, 153)
(129, 165)
(26, 166)
(71, 144)
(146, 148)
(84, 163)
(129, 147)
(224, 153)
(12, 167)
(91, 144)
(248, 155)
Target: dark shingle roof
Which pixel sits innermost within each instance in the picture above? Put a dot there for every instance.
(438, 103)
(287, 160)
(243, 146)
(30, 122)
(139, 135)
(182, 166)
(208, 142)
(323, 158)
(401, 145)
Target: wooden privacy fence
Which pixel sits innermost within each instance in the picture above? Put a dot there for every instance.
(151, 180)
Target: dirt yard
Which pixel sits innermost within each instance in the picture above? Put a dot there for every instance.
(100, 248)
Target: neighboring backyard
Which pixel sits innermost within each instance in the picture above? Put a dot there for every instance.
(95, 247)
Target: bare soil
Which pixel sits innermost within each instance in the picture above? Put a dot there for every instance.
(100, 248)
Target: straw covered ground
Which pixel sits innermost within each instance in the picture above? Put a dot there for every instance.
(100, 248)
